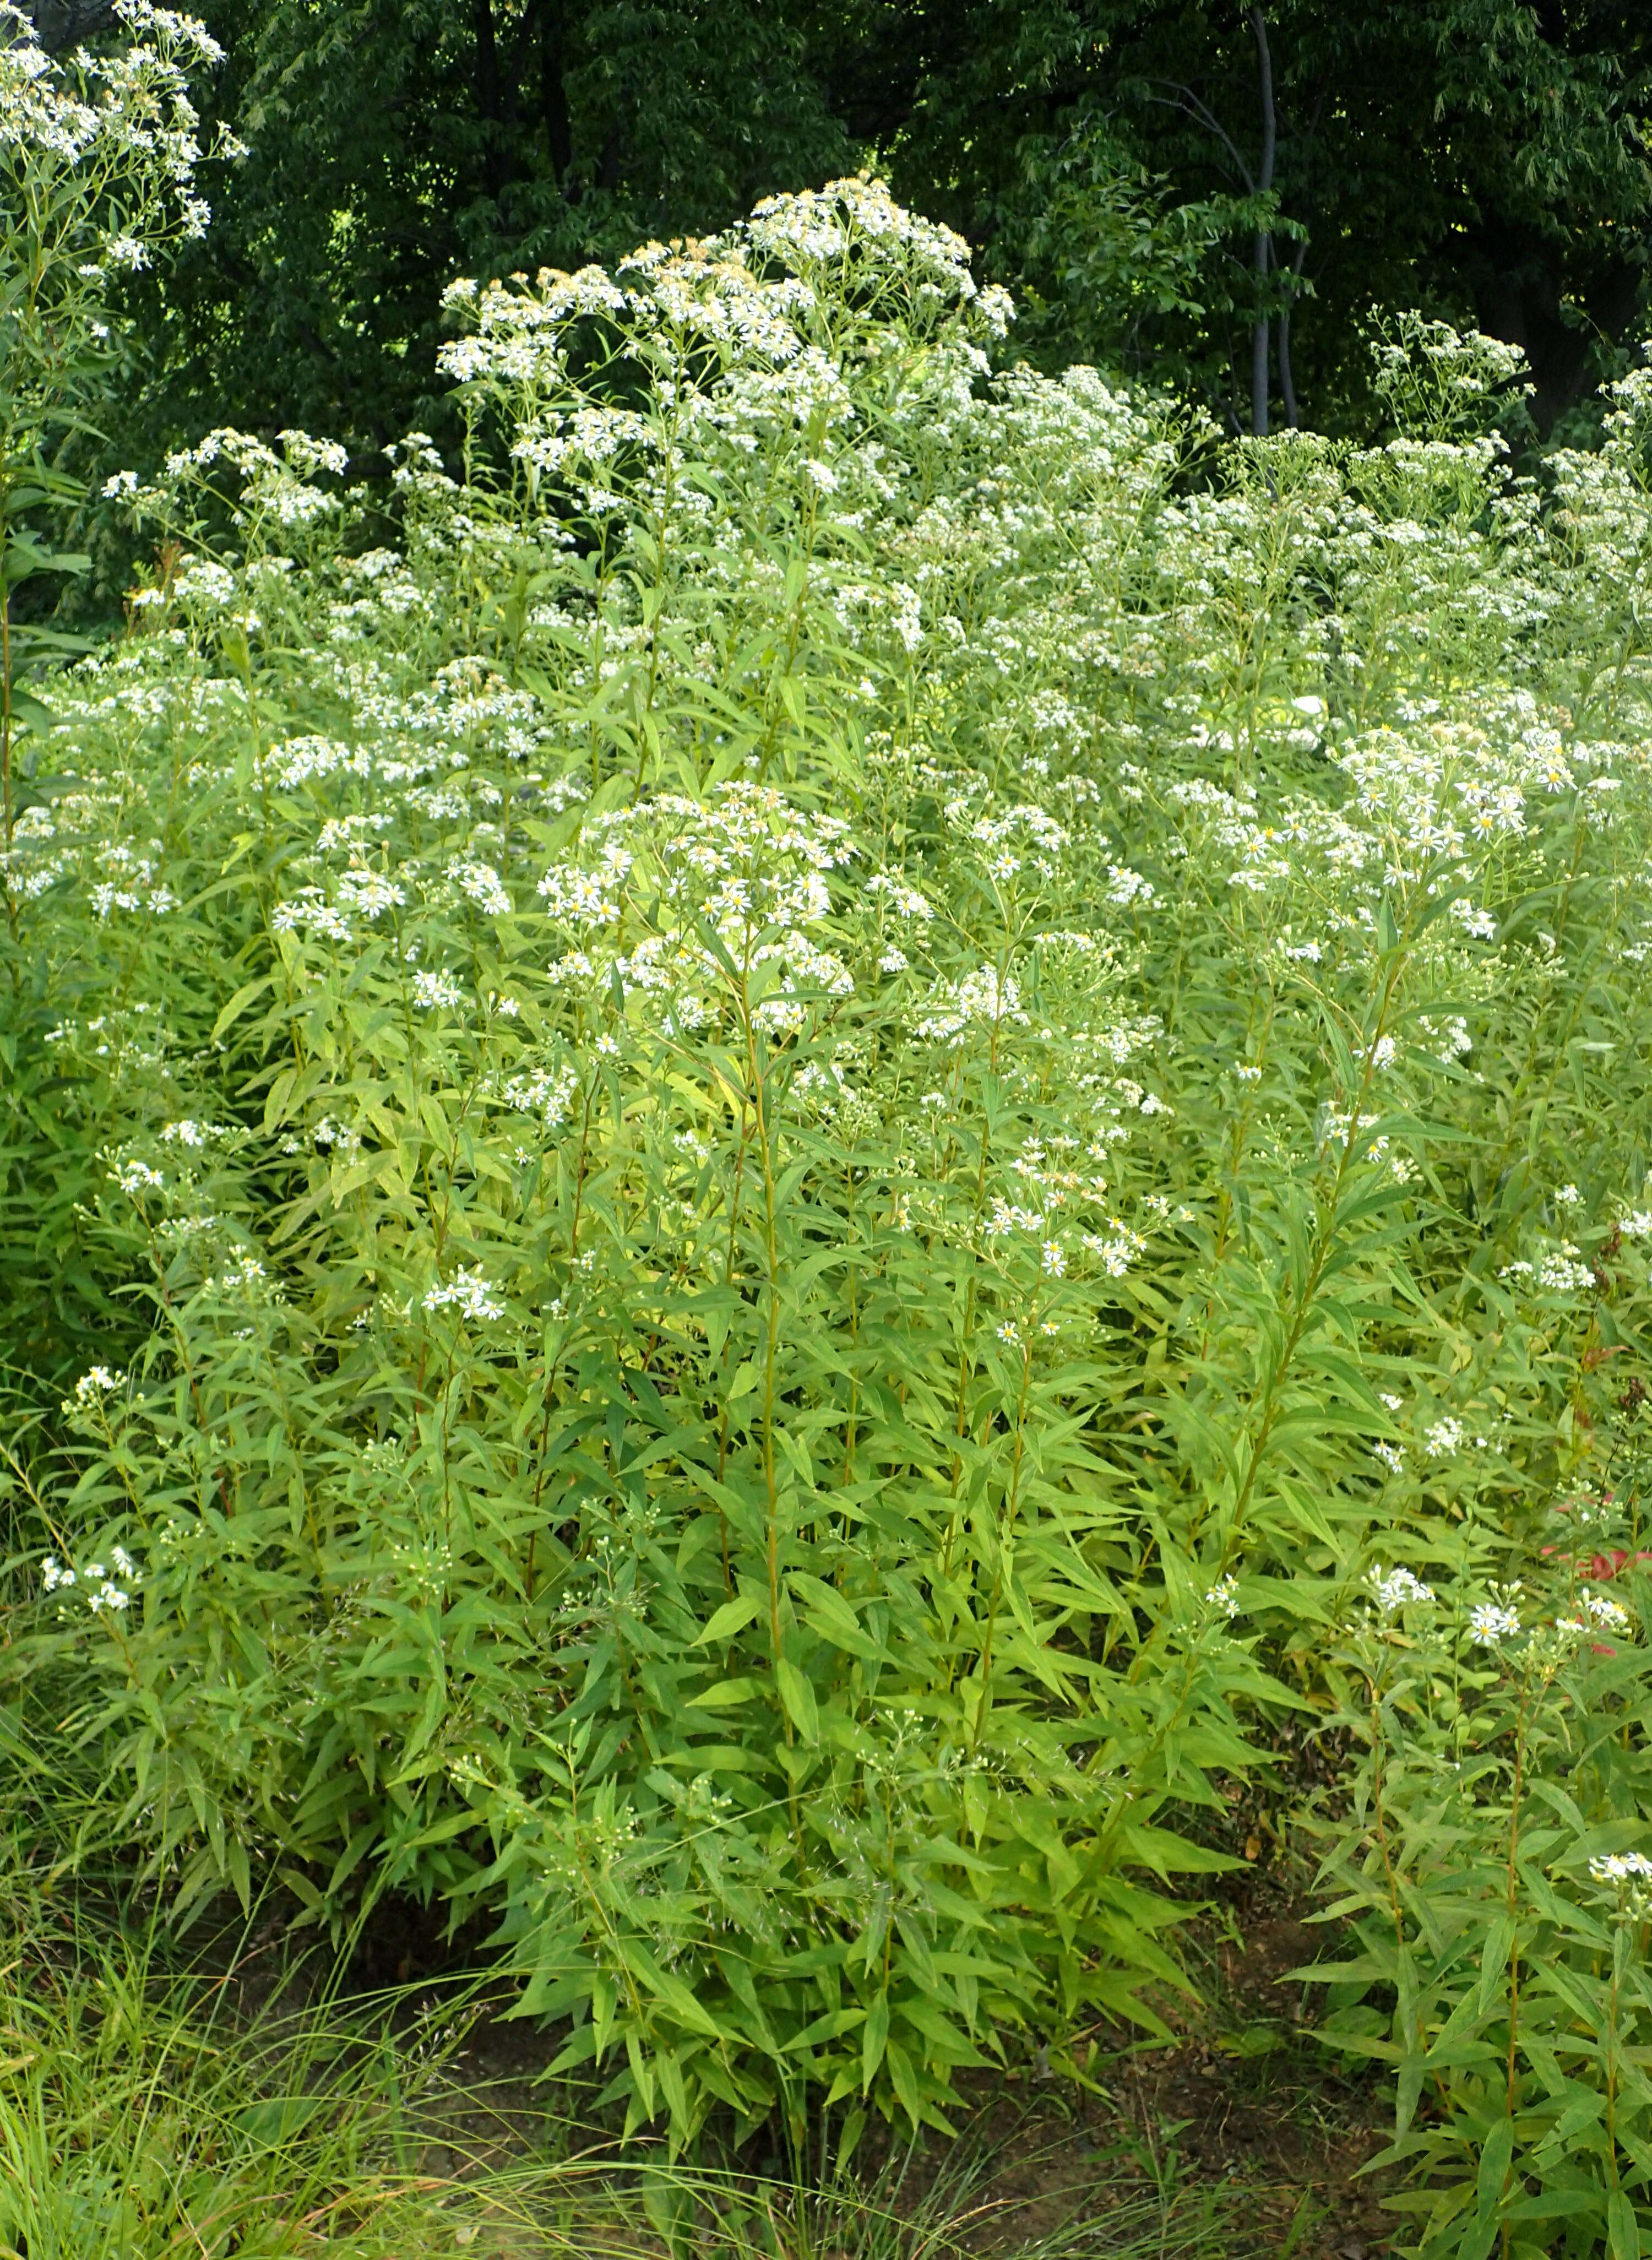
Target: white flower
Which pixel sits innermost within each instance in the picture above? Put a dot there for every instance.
(1489, 1624)
(1563, 1275)
(1444, 1438)
(545, 1091)
(109, 1596)
(581, 897)
(468, 1293)
(483, 885)
(1395, 1590)
(904, 901)
(1478, 923)
(1620, 1867)
(309, 909)
(435, 990)
(1224, 1595)
(981, 998)
(1118, 1253)
(340, 1136)
(1609, 1613)
(369, 892)
(1125, 887)
(242, 1275)
(94, 1384)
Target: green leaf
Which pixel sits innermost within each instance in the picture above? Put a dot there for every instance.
(726, 1695)
(1623, 2231)
(905, 2082)
(1499, 1940)
(874, 2038)
(798, 1697)
(1496, 2152)
(1407, 2092)
(237, 1003)
(730, 1619)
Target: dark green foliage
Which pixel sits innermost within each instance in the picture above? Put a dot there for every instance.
(1477, 157)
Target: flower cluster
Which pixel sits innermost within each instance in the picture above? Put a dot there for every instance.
(1490, 1624)
(1393, 1591)
(468, 1293)
(108, 1588)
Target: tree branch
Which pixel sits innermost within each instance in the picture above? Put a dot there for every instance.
(1261, 253)
(1287, 381)
(1187, 102)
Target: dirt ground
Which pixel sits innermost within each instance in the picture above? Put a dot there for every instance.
(1245, 2106)
(1244, 2123)
(1244, 2133)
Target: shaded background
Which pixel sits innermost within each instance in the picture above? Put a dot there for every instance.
(1211, 196)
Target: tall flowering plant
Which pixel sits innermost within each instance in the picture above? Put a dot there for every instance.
(769, 1143)
(1494, 1870)
(98, 156)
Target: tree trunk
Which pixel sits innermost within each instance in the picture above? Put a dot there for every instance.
(489, 103)
(559, 125)
(1287, 382)
(1262, 255)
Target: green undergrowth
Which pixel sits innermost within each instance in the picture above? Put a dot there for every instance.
(238, 2102)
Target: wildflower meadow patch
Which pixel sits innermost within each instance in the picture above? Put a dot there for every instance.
(768, 1154)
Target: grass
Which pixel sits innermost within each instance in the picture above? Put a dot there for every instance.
(153, 2107)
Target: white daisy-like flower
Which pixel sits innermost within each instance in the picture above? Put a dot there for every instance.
(1394, 1589)
(468, 1293)
(1611, 1614)
(1489, 1625)
(437, 991)
(1620, 1867)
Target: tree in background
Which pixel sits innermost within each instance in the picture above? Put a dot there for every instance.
(1161, 174)
(395, 143)
(1209, 193)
